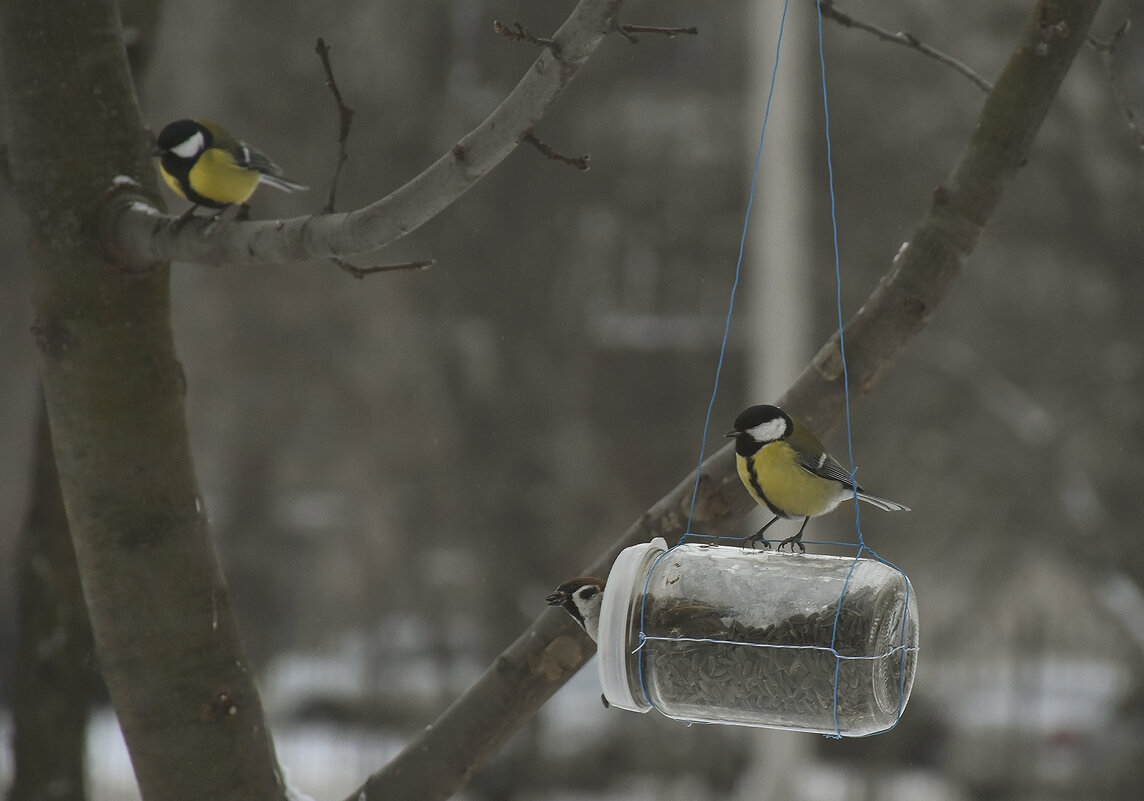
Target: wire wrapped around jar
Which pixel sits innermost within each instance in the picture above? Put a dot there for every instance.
(722, 635)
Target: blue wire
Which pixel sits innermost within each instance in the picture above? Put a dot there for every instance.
(738, 273)
(849, 429)
(838, 280)
(861, 544)
(842, 354)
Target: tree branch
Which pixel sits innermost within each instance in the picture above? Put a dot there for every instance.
(519, 33)
(345, 121)
(629, 31)
(138, 234)
(1107, 51)
(362, 272)
(530, 670)
(549, 152)
(903, 38)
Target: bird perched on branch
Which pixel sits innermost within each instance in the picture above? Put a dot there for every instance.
(582, 598)
(203, 163)
(785, 468)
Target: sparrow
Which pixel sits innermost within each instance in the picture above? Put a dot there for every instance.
(581, 598)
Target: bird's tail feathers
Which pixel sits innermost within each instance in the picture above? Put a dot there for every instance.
(885, 504)
(284, 184)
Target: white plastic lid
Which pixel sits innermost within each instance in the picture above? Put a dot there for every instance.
(629, 567)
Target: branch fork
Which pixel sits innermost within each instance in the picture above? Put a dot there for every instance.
(519, 33)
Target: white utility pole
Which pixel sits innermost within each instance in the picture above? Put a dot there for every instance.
(777, 270)
(777, 263)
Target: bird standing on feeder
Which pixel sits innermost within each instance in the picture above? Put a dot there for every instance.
(785, 468)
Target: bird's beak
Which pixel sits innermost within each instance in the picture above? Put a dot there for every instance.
(557, 598)
(156, 150)
(734, 432)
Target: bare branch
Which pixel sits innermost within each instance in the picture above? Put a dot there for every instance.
(902, 38)
(519, 33)
(628, 31)
(136, 232)
(362, 272)
(579, 162)
(530, 670)
(345, 120)
(1107, 50)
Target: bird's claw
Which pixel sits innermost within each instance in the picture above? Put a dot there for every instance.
(750, 542)
(188, 215)
(793, 541)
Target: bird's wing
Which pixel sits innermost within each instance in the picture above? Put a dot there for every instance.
(826, 466)
(252, 158)
(281, 182)
(814, 459)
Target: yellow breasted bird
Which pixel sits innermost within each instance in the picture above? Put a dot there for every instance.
(203, 163)
(785, 468)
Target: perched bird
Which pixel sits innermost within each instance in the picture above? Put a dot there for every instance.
(785, 468)
(581, 598)
(203, 163)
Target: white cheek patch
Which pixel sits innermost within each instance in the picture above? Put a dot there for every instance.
(190, 147)
(768, 431)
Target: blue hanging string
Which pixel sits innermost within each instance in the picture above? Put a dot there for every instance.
(861, 544)
(838, 285)
(738, 272)
(845, 370)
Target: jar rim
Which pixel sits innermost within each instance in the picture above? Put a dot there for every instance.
(615, 612)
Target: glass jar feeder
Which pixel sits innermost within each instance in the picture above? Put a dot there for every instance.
(720, 634)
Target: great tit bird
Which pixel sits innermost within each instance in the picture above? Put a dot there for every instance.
(582, 598)
(203, 163)
(785, 468)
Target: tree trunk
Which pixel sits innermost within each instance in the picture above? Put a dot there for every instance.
(52, 680)
(166, 639)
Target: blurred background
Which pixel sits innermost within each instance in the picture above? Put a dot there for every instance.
(399, 469)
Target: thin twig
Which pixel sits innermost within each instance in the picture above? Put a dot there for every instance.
(906, 39)
(519, 33)
(627, 31)
(345, 120)
(1107, 50)
(579, 162)
(362, 272)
